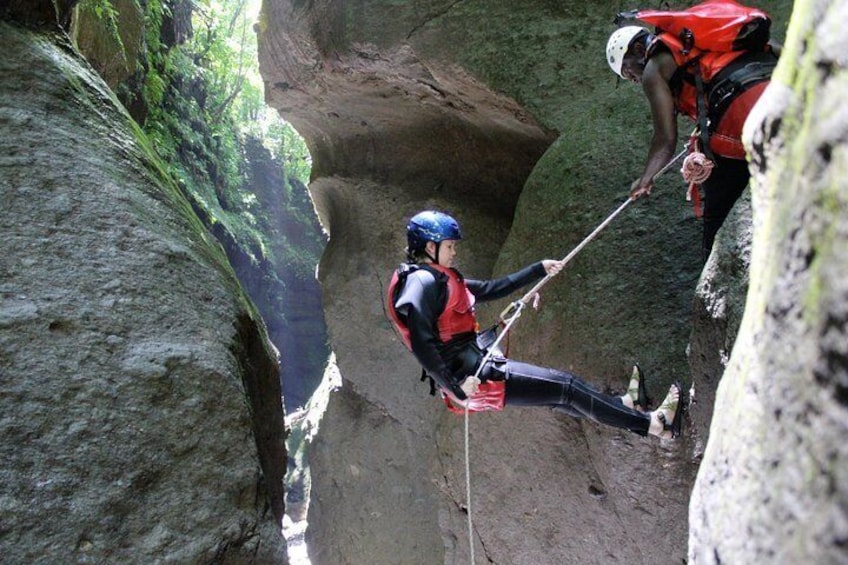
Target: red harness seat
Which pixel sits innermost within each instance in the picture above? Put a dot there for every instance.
(490, 396)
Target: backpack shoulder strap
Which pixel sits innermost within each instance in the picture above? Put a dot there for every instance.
(703, 123)
(406, 269)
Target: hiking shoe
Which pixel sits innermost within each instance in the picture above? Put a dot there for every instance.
(670, 412)
(636, 390)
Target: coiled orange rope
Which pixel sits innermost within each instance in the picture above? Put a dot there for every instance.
(695, 170)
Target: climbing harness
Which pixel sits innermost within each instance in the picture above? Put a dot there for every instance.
(509, 316)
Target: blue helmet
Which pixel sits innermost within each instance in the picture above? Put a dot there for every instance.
(430, 226)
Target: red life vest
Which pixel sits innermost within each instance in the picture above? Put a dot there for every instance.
(725, 136)
(726, 139)
(709, 62)
(456, 318)
(390, 303)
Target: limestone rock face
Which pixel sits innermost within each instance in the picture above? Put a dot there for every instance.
(718, 308)
(773, 486)
(141, 411)
(38, 14)
(113, 61)
(366, 106)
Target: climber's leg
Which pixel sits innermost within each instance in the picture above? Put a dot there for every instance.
(530, 385)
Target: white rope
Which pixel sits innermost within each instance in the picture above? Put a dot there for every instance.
(468, 489)
(535, 290)
(696, 168)
(486, 358)
(514, 312)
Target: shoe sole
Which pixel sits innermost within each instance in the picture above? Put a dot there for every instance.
(676, 426)
(642, 398)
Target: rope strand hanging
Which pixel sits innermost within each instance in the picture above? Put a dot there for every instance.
(513, 312)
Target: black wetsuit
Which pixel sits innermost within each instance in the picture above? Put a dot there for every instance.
(420, 302)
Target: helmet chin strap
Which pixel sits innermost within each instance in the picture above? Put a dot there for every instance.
(436, 258)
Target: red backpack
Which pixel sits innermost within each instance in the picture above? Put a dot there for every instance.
(714, 25)
(705, 39)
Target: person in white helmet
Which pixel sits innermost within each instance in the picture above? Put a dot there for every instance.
(732, 82)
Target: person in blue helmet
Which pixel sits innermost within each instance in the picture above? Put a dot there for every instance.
(432, 306)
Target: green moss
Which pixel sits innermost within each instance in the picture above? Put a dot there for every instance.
(833, 204)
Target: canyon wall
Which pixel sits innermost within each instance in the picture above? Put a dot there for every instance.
(773, 486)
(142, 413)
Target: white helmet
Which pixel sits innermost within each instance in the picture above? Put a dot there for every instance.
(619, 43)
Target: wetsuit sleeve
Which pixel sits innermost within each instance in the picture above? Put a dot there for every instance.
(498, 288)
(419, 306)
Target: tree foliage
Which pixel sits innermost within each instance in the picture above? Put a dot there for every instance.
(199, 83)
(220, 57)
(104, 11)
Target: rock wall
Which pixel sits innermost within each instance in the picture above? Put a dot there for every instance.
(718, 308)
(772, 486)
(260, 213)
(115, 57)
(142, 416)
